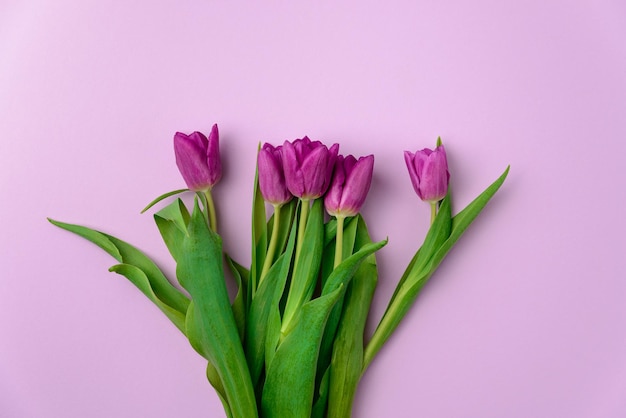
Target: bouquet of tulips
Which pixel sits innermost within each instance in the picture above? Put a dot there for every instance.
(291, 343)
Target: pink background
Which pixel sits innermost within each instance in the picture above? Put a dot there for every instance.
(525, 318)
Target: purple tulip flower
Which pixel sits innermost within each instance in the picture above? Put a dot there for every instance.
(308, 167)
(429, 173)
(271, 175)
(351, 182)
(198, 159)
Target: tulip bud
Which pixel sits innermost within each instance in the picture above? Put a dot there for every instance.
(198, 159)
(271, 175)
(350, 184)
(308, 167)
(429, 173)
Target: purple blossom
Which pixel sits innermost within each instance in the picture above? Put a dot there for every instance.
(271, 175)
(308, 167)
(198, 159)
(429, 174)
(350, 184)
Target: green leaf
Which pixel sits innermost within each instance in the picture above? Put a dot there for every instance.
(344, 271)
(160, 288)
(339, 277)
(163, 196)
(97, 237)
(348, 347)
(260, 311)
(211, 326)
(330, 232)
(307, 266)
(272, 291)
(463, 219)
(172, 222)
(290, 381)
(266, 304)
(437, 234)
(216, 382)
(139, 279)
(321, 399)
(460, 222)
(407, 291)
(288, 212)
(240, 303)
(259, 233)
(328, 262)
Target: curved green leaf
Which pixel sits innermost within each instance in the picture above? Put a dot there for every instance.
(125, 253)
(163, 196)
(139, 279)
(240, 303)
(172, 222)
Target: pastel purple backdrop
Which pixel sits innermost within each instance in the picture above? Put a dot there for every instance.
(525, 318)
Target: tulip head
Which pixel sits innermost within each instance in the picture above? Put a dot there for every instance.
(198, 159)
(271, 175)
(351, 182)
(429, 174)
(308, 167)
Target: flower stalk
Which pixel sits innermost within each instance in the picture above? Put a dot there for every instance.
(271, 249)
(339, 241)
(212, 216)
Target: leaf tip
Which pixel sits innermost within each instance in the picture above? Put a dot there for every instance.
(54, 222)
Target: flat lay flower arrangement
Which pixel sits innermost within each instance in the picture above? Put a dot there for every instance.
(292, 342)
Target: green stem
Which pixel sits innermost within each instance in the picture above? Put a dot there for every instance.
(269, 258)
(304, 214)
(397, 310)
(339, 241)
(211, 210)
(433, 211)
(388, 324)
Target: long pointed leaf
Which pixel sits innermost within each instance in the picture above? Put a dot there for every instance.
(125, 253)
(348, 347)
(172, 222)
(211, 326)
(418, 277)
(163, 196)
(266, 299)
(306, 266)
(288, 390)
(259, 233)
(139, 279)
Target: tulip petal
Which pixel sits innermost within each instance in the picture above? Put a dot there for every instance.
(191, 161)
(332, 201)
(314, 170)
(429, 174)
(357, 185)
(409, 159)
(434, 183)
(333, 154)
(293, 176)
(214, 162)
(199, 139)
(271, 176)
